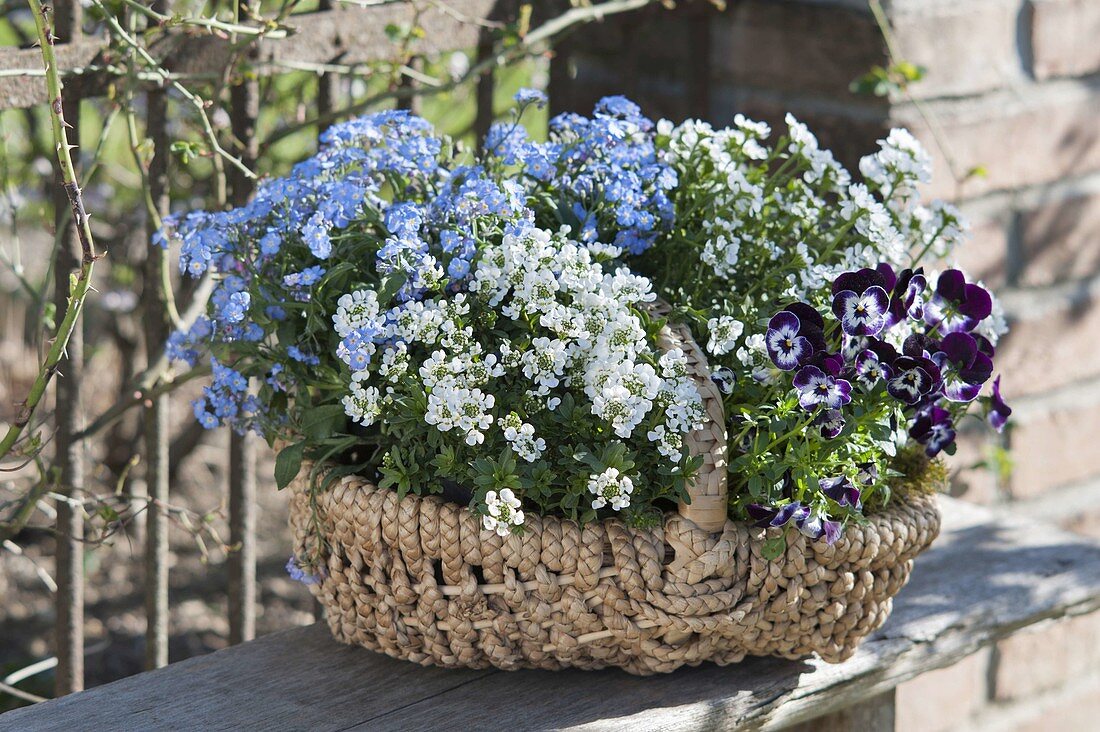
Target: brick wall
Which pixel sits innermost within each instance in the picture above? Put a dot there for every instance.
(1012, 86)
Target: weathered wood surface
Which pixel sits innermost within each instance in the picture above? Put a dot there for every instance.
(342, 35)
(985, 578)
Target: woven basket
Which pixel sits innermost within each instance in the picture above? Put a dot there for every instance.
(418, 578)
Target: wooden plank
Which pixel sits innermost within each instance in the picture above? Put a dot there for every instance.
(343, 35)
(986, 577)
(28, 88)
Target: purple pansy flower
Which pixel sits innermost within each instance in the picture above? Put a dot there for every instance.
(964, 367)
(810, 523)
(815, 387)
(776, 517)
(831, 422)
(724, 378)
(933, 429)
(841, 490)
(861, 313)
(785, 346)
(999, 412)
(868, 473)
(913, 378)
(957, 306)
(870, 369)
(907, 296)
(794, 335)
(860, 301)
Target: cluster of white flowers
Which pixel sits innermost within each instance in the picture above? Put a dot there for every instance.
(597, 341)
(899, 165)
(363, 404)
(521, 437)
(354, 311)
(822, 163)
(584, 336)
(610, 487)
(503, 512)
(724, 332)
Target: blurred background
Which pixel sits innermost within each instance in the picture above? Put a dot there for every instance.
(170, 106)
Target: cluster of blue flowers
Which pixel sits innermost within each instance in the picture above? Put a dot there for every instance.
(384, 186)
(602, 169)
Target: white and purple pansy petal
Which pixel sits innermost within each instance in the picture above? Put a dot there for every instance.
(725, 379)
(841, 394)
(811, 525)
(832, 530)
(786, 347)
(793, 511)
(910, 381)
(914, 296)
(964, 367)
(934, 429)
(852, 346)
(870, 370)
(862, 314)
(999, 412)
(831, 422)
(868, 474)
(815, 387)
(841, 490)
(957, 306)
(776, 517)
(808, 381)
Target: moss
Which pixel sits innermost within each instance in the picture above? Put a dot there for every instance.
(916, 474)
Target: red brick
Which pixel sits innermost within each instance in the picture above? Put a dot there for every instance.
(1074, 712)
(794, 46)
(1049, 350)
(1046, 656)
(1059, 240)
(966, 47)
(1054, 450)
(1045, 135)
(802, 47)
(942, 700)
(984, 255)
(1064, 37)
(972, 478)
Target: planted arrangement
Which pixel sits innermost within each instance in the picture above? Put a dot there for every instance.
(560, 338)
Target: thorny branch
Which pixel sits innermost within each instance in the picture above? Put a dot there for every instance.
(79, 284)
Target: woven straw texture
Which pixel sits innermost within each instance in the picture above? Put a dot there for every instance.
(418, 578)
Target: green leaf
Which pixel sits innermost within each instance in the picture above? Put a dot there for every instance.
(288, 463)
(320, 422)
(774, 547)
(391, 283)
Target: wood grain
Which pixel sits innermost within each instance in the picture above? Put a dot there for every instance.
(986, 577)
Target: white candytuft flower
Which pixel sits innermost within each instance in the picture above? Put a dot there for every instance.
(503, 512)
(724, 332)
(610, 487)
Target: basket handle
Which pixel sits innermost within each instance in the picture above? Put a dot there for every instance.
(707, 489)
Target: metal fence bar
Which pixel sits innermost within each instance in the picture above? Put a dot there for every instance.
(157, 424)
(244, 109)
(69, 625)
